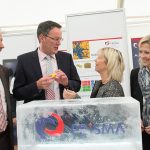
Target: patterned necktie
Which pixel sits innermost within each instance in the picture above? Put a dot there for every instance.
(3, 122)
(50, 94)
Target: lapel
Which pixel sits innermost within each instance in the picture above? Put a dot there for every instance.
(98, 89)
(96, 86)
(4, 81)
(59, 61)
(36, 64)
(100, 92)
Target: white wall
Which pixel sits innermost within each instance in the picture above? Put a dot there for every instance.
(24, 42)
(22, 12)
(19, 43)
(136, 30)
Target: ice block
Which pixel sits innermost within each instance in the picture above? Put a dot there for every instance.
(89, 124)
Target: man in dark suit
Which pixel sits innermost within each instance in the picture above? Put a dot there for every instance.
(31, 80)
(6, 128)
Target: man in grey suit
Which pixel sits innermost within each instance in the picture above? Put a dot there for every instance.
(31, 78)
(6, 128)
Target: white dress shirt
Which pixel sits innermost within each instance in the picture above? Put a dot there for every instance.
(2, 93)
(42, 61)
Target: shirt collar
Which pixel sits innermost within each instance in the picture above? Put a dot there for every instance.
(42, 55)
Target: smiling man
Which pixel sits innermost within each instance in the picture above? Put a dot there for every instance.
(33, 80)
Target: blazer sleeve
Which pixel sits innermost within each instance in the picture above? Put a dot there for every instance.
(66, 64)
(74, 80)
(110, 89)
(24, 87)
(114, 90)
(135, 88)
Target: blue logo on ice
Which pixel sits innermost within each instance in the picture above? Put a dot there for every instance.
(49, 126)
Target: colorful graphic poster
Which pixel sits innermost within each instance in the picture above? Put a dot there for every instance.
(135, 52)
(81, 50)
(85, 53)
(87, 84)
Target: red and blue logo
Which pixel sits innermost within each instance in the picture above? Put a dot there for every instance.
(52, 125)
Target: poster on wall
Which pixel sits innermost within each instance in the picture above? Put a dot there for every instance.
(91, 31)
(135, 51)
(85, 53)
(87, 84)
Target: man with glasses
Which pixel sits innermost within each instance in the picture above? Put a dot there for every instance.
(45, 72)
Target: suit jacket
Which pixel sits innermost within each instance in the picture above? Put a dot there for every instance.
(137, 94)
(135, 87)
(28, 71)
(110, 89)
(4, 76)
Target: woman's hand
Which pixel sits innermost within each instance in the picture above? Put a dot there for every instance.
(14, 121)
(142, 126)
(147, 129)
(69, 94)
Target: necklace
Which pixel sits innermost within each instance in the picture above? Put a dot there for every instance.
(105, 81)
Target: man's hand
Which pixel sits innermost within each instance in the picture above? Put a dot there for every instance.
(142, 126)
(44, 82)
(61, 78)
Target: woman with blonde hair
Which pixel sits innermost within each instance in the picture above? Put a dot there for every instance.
(140, 88)
(110, 65)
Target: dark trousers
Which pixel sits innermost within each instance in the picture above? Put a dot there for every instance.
(5, 143)
(146, 141)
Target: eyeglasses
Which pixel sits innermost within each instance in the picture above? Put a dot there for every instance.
(55, 39)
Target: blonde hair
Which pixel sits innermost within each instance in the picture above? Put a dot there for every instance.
(144, 40)
(115, 63)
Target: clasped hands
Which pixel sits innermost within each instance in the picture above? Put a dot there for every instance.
(146, 129)
(58, 76)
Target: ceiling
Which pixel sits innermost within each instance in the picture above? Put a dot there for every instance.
(28, 13)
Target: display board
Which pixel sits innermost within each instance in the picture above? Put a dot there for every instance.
(89, 32)
(135, 51)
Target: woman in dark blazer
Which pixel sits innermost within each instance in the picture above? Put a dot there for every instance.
(140, 88)
(110, 66)
(135, 88)
(137, 94)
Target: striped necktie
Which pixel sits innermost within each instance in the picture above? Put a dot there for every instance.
(3, 122)
(50, 94)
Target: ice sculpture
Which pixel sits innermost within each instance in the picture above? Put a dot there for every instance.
(97, 124)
